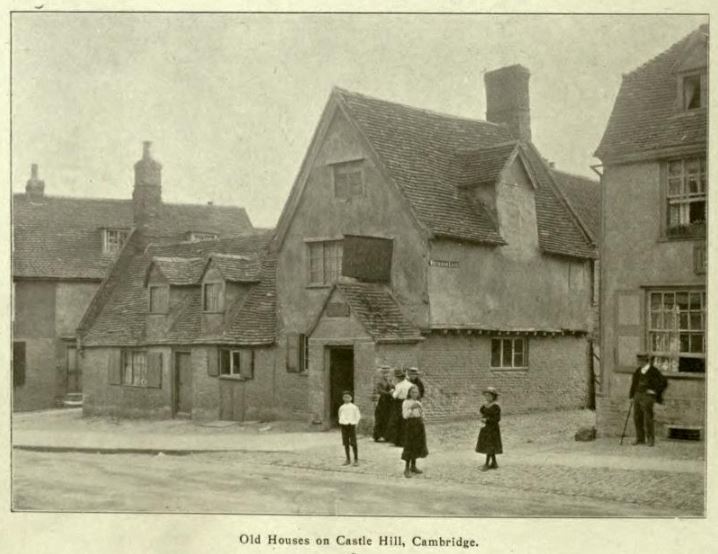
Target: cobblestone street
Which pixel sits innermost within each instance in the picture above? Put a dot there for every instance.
(543, 471)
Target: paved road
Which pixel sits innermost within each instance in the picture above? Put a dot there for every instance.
(206, 483)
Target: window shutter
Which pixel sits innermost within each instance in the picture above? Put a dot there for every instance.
(213, 362)
(246, 363)
(293, 352)
(367, 258)
(628, 328)
(18, 364)
(154, 370)
(114, 367)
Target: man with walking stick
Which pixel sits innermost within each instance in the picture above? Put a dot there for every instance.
(647, 386)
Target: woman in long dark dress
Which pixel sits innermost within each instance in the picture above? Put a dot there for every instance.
(414, 432)
(489, 442)
(383, 391)
(395, 424)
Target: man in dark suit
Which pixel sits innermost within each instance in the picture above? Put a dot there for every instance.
(413, 375)
(647, 388)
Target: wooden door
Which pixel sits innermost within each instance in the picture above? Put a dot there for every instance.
(183, 383)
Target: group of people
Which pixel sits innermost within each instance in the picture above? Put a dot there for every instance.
(399, 419)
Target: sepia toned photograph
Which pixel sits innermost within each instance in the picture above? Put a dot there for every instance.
(359, 264)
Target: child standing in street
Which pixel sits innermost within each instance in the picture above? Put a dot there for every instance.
(349, 417)
(489, 442)
(414, 432)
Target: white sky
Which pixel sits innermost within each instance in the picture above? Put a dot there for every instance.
(231, 101)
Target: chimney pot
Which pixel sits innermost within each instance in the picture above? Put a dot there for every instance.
(147, 194)
(147, 150)
(508, 101)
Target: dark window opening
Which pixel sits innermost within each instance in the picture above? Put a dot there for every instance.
(684, 433)
(692, 99)
(18, 364)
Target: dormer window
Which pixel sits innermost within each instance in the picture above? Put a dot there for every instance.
(692, 91)
(159, 299)
(194, 236)
(213, 297)
(113, 239)
(348, 179)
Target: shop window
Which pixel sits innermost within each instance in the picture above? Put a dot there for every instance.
(509, 353)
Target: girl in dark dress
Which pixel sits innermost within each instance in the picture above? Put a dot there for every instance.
(414, 432)
(382, 411)
(489, 442)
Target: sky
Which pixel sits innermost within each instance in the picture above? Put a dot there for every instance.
(231, 101)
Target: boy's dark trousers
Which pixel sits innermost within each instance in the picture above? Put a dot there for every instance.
(643, 417)
(349, 438)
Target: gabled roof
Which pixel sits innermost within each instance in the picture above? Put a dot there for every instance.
(60, 237)
(483, 166)
(424, 154)
(584, 196)
(236, 268)
(645, 116)
(118, 313)
(177, 271)
(378, 311)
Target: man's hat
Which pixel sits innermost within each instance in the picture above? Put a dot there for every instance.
(413, 370)
(491, 390)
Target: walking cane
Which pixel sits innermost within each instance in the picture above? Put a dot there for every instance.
(628, 415)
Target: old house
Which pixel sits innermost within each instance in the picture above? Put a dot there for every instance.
(414, 238)
(653, 247)
(62, 250)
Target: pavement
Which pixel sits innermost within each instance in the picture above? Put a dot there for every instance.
(540, 457)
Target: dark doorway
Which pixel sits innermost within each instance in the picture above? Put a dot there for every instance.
(341, 378)
(183, 384)
(73, 373)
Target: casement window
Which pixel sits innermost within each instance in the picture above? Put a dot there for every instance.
(325, 261)
(18, 363)
(134, 368)
(213, 297)
(348, 179)
(509, 353)
(686, 197)
(239, 363)
(194, 236)
(676, 329)
(159, 299)
(693, 91)
(297, 353)
(113, 239)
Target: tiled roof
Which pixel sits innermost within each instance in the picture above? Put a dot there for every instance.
(378, 311)
(179, 271)
(119, 317)
(645, 115)
(61, 238)
(421, 151)
(584, 195)
(483, 166)
(237, 268)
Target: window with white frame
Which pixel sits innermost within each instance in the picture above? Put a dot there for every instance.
(134, 368)
(325, 261)
(686, 197)
(676, 329)
(348, 179)
(509, 353)
(212, 297)
(113, 239)
(159, 299)
(239, 363)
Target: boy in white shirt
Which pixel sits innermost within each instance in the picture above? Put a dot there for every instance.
(349, 417)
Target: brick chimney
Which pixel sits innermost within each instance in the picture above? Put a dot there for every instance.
(147, 194)
(35, 188)
(507, 99)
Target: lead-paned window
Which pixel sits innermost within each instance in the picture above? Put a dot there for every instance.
(676, 329)
(212, 300)
(325, 261)
(134, 368)
(348, 179)
(509, 353)
(113, 239)
(686, 197)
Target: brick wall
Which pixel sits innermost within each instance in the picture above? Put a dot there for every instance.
(455, 369)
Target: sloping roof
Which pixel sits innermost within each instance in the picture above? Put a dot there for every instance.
(60, 237)
(483, 166)
(237, 268)
(584, 195)
(119, 317)
(378, 311)
(645, 116)
(419, 150)
(179, 271)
